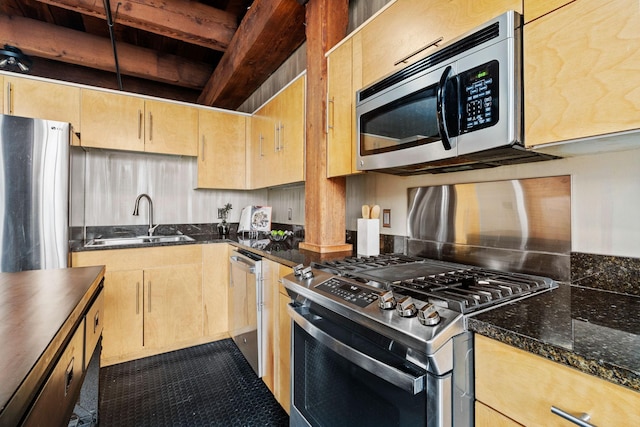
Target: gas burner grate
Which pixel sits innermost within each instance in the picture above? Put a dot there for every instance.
(469, 290)
(354, 264)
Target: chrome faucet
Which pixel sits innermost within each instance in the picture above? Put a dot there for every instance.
(152, 227)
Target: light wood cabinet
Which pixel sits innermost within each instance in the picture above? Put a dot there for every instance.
(277, 330)
(580, 71)
(283, 359)
(276, 147)
(222, 153)
(407, 26)
(124, 311)
(112, 121)
(290, 131)
(523, 387)
(42, 100)
(153, 299)
(215, 285)
(173, 304)
(270, 271)
(534, 9)
(341, 135)
(126, 122)
(261, 151)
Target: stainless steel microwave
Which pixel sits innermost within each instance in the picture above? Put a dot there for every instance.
(456, 109)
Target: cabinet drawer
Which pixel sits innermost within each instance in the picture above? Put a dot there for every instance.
(94, 322)
(524, 387)
(55, 403)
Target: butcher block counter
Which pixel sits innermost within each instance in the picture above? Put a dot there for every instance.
(49, 320)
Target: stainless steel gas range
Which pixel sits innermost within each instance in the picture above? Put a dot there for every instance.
(383, 340)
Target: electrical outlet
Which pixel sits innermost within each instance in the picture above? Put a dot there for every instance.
(220, 213)
(290, 214)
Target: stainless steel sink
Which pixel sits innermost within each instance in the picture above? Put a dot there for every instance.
(139, 240)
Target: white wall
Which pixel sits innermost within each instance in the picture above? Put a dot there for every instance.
(605, 197)
(114, 179)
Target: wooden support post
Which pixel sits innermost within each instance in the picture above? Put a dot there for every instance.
(325, 224)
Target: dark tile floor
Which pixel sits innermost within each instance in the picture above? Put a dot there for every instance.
(207, 385)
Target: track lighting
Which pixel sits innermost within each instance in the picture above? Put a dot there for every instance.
(12, 59)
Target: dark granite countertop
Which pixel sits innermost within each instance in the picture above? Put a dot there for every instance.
(284, 252)
(594, 331)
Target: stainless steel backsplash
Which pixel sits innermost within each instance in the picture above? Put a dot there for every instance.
(517, 225)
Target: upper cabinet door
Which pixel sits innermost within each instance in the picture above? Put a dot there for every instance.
(290, 131)
(534, 9)
(42, 100)
(407, 26)
(340, 112)
(222, 153)
(112, 121)
(581, 66)
(171, 128)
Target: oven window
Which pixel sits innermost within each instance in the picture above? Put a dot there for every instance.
(329, 390)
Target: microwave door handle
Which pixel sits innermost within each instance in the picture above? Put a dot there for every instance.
(441, 108)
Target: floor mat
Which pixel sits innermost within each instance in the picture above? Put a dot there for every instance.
(207, 385)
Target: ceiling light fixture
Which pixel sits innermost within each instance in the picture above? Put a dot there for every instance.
(12, 59)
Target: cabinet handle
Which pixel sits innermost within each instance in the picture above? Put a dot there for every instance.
(202, 150)
(330, 109)
(137, 297)
(280, 137)
(275, 137)
(150, 126)
(149, 297)
(10, 97)
(261, 154)
(68, 376)
(427, 46)
(139, 124)
(96, 321)
(582, 420)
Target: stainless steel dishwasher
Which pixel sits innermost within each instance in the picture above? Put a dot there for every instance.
(246, 306)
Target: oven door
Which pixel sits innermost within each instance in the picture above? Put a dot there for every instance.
(342, 378)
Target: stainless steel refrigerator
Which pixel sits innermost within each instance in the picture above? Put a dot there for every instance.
(34, 194)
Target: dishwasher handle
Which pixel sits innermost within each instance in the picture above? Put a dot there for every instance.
(245, 265)
(403, 380)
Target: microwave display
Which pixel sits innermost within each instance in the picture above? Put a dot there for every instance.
(479, 93)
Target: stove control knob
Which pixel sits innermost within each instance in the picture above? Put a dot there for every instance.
(405, 307)
(386, 301)
(428, 315)
(307, 273)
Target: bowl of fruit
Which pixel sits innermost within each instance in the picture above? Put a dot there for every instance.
(280, 235)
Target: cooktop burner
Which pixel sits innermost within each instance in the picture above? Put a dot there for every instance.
(462, 288)
(356, 264)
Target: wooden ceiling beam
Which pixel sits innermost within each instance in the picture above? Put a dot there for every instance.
(269, 33)
(44, 40)
(189, 21)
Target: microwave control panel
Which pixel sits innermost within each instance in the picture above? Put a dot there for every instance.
(479, 97)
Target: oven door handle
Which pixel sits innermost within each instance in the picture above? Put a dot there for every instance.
(403, 380)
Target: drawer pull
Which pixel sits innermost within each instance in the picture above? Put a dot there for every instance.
(68, 377)
(96, 322)
(582, 420)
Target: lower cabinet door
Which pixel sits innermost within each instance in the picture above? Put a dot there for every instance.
(123, 314)
(173, 305)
